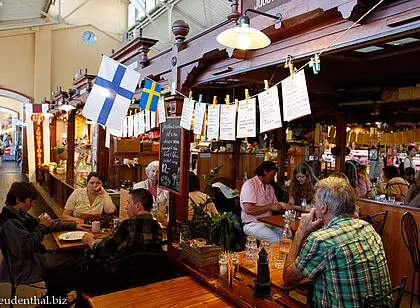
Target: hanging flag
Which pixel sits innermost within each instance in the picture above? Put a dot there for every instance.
(111, 94)
(150, 96)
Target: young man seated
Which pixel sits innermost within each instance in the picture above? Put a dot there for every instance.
(132, 248)
(22, 236)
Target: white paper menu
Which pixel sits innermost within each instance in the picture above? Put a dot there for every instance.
(130, 125)
(247, 119)
(161, 110)
(295, 97)
(199, 113)
(147, 120)
(269, 110)
(213, 122)
(136, 124)
(152, 119)
(228, 122)
(125, 128)
(187, 113)
(141, 122)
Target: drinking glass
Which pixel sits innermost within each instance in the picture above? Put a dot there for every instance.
(251, 249)
(391, 200)
(266, 244)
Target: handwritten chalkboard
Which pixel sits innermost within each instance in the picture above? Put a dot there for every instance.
(170, 155)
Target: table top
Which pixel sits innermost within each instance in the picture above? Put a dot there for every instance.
(276, 274)
(278, 221)
(68, 245)
(180, 292)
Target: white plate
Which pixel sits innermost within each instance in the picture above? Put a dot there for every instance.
(72, 236)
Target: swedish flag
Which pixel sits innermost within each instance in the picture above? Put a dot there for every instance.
(150, 96)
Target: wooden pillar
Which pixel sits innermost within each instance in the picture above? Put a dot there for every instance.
(340, 142)
(281, 161)
(71, 125)
(102, 153)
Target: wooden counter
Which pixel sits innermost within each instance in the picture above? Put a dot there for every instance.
(399, 260)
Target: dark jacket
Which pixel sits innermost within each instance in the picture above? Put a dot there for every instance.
(23, 236)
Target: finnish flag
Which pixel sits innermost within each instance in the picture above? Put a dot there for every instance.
(111, 94)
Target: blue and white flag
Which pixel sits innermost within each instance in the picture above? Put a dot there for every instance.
(111, 94)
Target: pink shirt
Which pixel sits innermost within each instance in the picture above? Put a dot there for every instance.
(254, 191)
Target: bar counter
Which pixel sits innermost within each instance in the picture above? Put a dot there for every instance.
(399, 259)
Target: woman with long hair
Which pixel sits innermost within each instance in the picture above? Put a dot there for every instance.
(302, 184)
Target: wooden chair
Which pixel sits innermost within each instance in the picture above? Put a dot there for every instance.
(13, 282)
(377, 221)
(410, 237)
(383, 301)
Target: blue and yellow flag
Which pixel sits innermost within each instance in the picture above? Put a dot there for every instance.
(150, 96)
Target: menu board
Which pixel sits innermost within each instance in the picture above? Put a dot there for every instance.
(170, 154)
(295, 97)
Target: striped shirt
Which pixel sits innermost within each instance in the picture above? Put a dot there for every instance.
(347, 261)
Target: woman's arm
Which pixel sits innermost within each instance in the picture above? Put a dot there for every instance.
(109, 206)
(67, 216)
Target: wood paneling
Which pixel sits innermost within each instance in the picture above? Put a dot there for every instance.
(208, 161)
(399, 260)
(248, 163)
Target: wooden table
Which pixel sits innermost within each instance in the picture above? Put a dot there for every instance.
(180, 292)
(69, 245)
(276, 274)
(278, 221)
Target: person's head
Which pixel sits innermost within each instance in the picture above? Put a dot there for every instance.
(350, 170)
(94, 180)
(139, 200)
(152, 171)
(390, 172)
(194, 182)
(339, 175)
(334, 197)
(409, 174)
(266, 171)
(21, 195)
(411, 151)
(302, 182)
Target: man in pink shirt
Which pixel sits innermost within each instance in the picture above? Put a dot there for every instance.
(258, 200)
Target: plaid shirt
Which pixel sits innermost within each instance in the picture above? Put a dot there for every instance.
(347, 261)
(141, 234)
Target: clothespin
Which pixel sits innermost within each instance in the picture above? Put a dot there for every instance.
(190, 95)
(266, 86)
(237, 104)
(227, 100)
(131, 112)
(315, 63)
(214, 101)
(289, 64)
(200, 98)
(246, 95)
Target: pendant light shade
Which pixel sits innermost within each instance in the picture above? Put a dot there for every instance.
(66, 107)
(244, 37)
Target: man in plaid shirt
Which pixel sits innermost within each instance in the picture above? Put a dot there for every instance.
(345, 259)
(140, 233)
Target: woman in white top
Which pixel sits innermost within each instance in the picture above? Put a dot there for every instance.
(151, 184)
(93, 199)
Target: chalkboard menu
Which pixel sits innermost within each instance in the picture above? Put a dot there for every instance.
(170, 154)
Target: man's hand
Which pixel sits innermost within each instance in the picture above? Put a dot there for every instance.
(279, 206)
(88, 239)
(309, 224)
(45, 219)
(84, 227)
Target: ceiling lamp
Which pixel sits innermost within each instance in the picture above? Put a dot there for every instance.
(66, 107)
(245, 37)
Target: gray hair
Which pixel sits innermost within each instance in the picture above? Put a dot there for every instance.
(338, 194)
(153, 164)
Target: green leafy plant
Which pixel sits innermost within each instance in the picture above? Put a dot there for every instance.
(59, 151)
(215, 228)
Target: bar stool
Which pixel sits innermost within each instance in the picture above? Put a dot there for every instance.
(410, 237)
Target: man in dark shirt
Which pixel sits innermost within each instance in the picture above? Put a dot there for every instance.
(22, 236)
(135, 244)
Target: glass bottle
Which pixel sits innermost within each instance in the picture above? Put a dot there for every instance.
(285, 245)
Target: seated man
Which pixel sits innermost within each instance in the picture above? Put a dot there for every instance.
(258, 199)
(137, 235)
(22, 234)
(345, 259)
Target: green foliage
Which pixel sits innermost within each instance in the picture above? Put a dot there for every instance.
(216, 229)
(59, 151)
